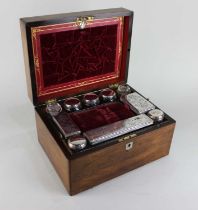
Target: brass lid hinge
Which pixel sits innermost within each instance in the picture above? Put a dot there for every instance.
(114, 86)
(51, 101)
(127, 137)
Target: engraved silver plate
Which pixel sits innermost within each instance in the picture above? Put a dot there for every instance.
(116, 129)
(138, 103)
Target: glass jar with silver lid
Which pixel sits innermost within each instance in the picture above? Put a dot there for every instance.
(77, 142)
(123, 89)
(108, 95)
(72, 104)
(91, 99)
(53, 107)
(156, 115)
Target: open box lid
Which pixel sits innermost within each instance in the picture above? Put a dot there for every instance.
(68, 54)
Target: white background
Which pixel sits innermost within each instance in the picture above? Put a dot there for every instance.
(163, 67)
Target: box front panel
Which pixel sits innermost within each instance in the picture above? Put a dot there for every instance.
(112, 161)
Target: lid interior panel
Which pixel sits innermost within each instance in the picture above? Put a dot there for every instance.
(69, 60)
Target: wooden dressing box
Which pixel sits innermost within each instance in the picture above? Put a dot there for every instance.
(72, 54)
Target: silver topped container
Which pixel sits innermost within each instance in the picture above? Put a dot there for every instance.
(77, 142)
(72, 104)
(108, 95)
(156, 115)
(123, 89)
(91, 99)
(53, 107)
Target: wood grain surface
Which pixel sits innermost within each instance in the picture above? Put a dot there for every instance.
(91, 169)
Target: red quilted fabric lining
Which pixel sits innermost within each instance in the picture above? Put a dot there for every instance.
(72, 55)
(101, 115)
(69, 61)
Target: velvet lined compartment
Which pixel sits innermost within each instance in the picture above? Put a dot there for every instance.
(101, 115)
(77, 54)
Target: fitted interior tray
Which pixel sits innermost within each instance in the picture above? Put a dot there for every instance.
(101, 115)
(94, 117)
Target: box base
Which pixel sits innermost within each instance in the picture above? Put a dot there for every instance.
(88, 170)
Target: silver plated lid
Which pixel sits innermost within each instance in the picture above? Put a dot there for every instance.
(72, 104)
(138, 103)
(53, 108)
(91, 99)
(108, 95)
(77, 142)
(123, 89)
(156, 114)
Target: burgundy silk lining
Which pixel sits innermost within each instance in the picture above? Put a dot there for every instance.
(101, 115)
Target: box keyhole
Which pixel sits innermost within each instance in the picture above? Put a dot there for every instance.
(129, 145)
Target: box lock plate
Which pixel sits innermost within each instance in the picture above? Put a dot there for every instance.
(129, 146)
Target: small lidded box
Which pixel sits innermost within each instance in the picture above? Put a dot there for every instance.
(92, 125)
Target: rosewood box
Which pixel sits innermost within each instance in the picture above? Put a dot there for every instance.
(74, 54)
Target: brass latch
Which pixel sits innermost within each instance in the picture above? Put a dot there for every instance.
(127, 137)
(81, 22)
